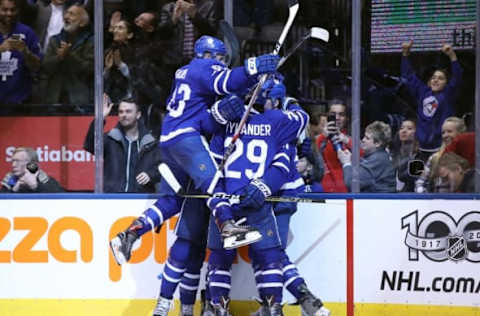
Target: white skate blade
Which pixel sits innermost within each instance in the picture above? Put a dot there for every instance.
(115, 244)
(233, 242)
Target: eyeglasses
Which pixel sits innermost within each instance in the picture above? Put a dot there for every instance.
(19, 160)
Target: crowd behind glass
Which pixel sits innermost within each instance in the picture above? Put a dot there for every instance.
(416, 108)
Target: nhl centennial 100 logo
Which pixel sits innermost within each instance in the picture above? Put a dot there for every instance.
(440, 237)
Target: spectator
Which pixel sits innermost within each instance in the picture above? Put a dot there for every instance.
(306, 169)
(452, 127)
(69, 60)
(19, 55)
(376, 172)
(131, 155)
(464, 146)
(148, 76)
(335, 131)
(435, 100)
(405, 149)
(48, 20)
(26, 177)
(182, 22)
(454, 175)
(117, 74)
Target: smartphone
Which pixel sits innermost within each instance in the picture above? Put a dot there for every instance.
(332, 117)
(415, 167)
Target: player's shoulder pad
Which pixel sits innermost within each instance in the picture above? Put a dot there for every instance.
(207, 64)
(288, 101)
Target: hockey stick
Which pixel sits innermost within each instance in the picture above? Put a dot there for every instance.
(231, 41)
(314, 32)
(292, 12)
(237, 198)
(169, 177)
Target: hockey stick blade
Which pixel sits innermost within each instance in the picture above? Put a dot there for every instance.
(314, 32)
(293, 199)
(320, 33)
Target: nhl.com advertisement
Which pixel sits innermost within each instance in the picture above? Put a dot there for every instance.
(418, 251)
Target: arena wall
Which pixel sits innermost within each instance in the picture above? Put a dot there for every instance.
(361, 256)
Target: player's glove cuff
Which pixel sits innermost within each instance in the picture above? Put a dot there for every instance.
(251, 66)
(262, 186)
(216, 114)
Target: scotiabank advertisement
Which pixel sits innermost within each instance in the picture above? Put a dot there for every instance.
(59, 145)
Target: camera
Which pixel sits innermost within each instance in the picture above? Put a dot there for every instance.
(32, 167)
(17, 37)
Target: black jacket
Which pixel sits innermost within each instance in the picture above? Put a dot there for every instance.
(116, 159)
(45, 184)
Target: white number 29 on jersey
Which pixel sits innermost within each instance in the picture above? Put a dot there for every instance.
(254, 150)
(176, 107)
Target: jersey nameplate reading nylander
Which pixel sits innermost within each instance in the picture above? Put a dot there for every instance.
(250, 129)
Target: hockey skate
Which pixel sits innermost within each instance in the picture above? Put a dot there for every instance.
(221, 309)
(206, 306)
(260, 310)
(162, 308)
(235, 235)
(186, 310)
(122, 244)
(271, 308)
(207, 309)
(311, 305)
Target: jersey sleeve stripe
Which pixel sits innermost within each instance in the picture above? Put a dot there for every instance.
(281, 165)
(216, 83)
(293, 184)
(281, 155)
(225, 81)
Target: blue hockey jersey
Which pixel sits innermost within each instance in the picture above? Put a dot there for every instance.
(260, 142)
(195, 89)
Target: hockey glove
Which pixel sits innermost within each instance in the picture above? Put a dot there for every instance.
(305, 148)
(228, 109)
(254, 195)
(262, 64)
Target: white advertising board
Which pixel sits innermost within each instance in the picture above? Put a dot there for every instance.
(417, 252)
(59, 249)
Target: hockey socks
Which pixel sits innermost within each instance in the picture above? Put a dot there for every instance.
(291, 277)
(191, 277)
(219, 276)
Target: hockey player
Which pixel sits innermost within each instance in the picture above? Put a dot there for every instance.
(260, 141)
(184, 149)
(292, 185)
(185, 258)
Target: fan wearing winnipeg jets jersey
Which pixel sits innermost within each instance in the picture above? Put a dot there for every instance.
(257, 147)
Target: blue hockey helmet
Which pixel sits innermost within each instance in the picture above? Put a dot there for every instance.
(209, 44)
(272, 89)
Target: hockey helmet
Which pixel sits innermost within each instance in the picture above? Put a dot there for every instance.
(210, 44)
(272, 89)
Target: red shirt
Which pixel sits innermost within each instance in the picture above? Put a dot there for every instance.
(464, 145)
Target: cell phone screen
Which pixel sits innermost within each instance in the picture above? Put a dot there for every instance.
(331, 117)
